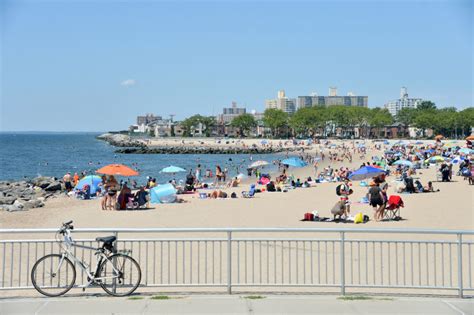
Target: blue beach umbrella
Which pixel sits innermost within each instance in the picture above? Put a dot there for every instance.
(294, 162)
(172, 169)
(92, 180)
(403, 162)
(365, 172)
(466, 151)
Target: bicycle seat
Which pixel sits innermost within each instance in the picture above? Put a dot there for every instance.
(106, 239)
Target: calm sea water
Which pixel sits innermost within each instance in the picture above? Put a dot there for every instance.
(34, 154)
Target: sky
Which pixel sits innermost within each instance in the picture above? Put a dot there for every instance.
(95, 65)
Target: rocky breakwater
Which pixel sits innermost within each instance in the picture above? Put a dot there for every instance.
(120, 140)
(24, 195)
(203, 150)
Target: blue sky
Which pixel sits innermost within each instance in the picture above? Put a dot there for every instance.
(95, 65)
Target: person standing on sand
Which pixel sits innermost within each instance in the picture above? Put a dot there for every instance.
(76, 179)
(68, 181)
(198, 173)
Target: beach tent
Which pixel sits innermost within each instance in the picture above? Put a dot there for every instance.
(470, 138)
(163, 194)
(117, 169)
(294, 162)
(403, 162)
(172, 169)
(92, 180)
(365, 172)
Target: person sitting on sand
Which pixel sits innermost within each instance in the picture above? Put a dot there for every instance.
(141, 197)
(234, 182)
(123, 196)
(217, 194)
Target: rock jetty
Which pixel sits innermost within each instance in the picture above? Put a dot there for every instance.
(202, 150)
(27, 194)
(121, 140)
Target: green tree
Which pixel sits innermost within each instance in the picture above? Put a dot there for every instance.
(275, 119)
(304, 121)
(190, 123)
(380, 118)
(426, 105)
(244, 122)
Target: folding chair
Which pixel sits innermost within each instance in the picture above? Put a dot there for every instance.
(250, 193)
(392, 210)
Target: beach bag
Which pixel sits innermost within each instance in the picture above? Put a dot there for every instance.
(359, 218)
(308, 217)
(366, 218)
(233, 195)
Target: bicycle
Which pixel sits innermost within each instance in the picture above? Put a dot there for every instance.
(55, 274)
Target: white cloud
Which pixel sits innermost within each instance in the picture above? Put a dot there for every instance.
(128, 82)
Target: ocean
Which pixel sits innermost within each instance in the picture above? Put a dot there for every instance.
(28, 155)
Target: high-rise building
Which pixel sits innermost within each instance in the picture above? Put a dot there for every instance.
(403, 102)
(229, 113)
(282, 102)
(332, 99)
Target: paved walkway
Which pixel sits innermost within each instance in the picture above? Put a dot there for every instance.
(212, 304)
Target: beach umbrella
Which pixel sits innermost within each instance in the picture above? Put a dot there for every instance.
(294, 162)
(403, 162)
(450, 145)
(435, 159)
(264, 142)
(172, 169)
(117, 169)
(470, 138)
(386, 142)
(466, 151)
(419, 142)
(439, 137)
(365, 172)
(456, 160)
(92, 180)
(258, 164)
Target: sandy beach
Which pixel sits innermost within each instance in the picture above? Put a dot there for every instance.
(450, 208)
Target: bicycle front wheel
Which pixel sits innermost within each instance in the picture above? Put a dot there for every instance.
(119, 275)
(53, 275)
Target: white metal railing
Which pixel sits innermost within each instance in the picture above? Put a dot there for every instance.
(337, 259)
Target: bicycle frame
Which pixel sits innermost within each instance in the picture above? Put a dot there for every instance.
(101, 257)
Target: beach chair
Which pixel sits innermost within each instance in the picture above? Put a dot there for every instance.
(250, 193)
(392, 210)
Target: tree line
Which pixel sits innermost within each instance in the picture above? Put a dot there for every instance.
(343, 120)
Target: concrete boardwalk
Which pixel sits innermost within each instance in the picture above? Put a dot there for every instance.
(215, 304)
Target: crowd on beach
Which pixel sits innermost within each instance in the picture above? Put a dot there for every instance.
(400, 160)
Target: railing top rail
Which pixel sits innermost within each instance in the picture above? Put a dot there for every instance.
(255, 230)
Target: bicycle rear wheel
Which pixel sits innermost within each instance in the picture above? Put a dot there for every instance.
(53, 275)
(119, 275)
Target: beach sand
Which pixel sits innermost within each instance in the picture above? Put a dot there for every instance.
(450, 208)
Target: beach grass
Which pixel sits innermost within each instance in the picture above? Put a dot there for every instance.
(354, 298)
(253, 297)
(135, 298)
(160, 297)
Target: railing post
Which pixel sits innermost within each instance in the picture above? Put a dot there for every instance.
(343, 266)
(460, 265)
(229, 262)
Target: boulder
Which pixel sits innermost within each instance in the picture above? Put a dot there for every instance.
(7, 200)
(34, 203)
(54, 186)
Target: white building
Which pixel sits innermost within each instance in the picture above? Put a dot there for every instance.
(282, 102)
(403, 102)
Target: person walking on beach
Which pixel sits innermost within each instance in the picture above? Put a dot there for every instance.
(343, 191)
